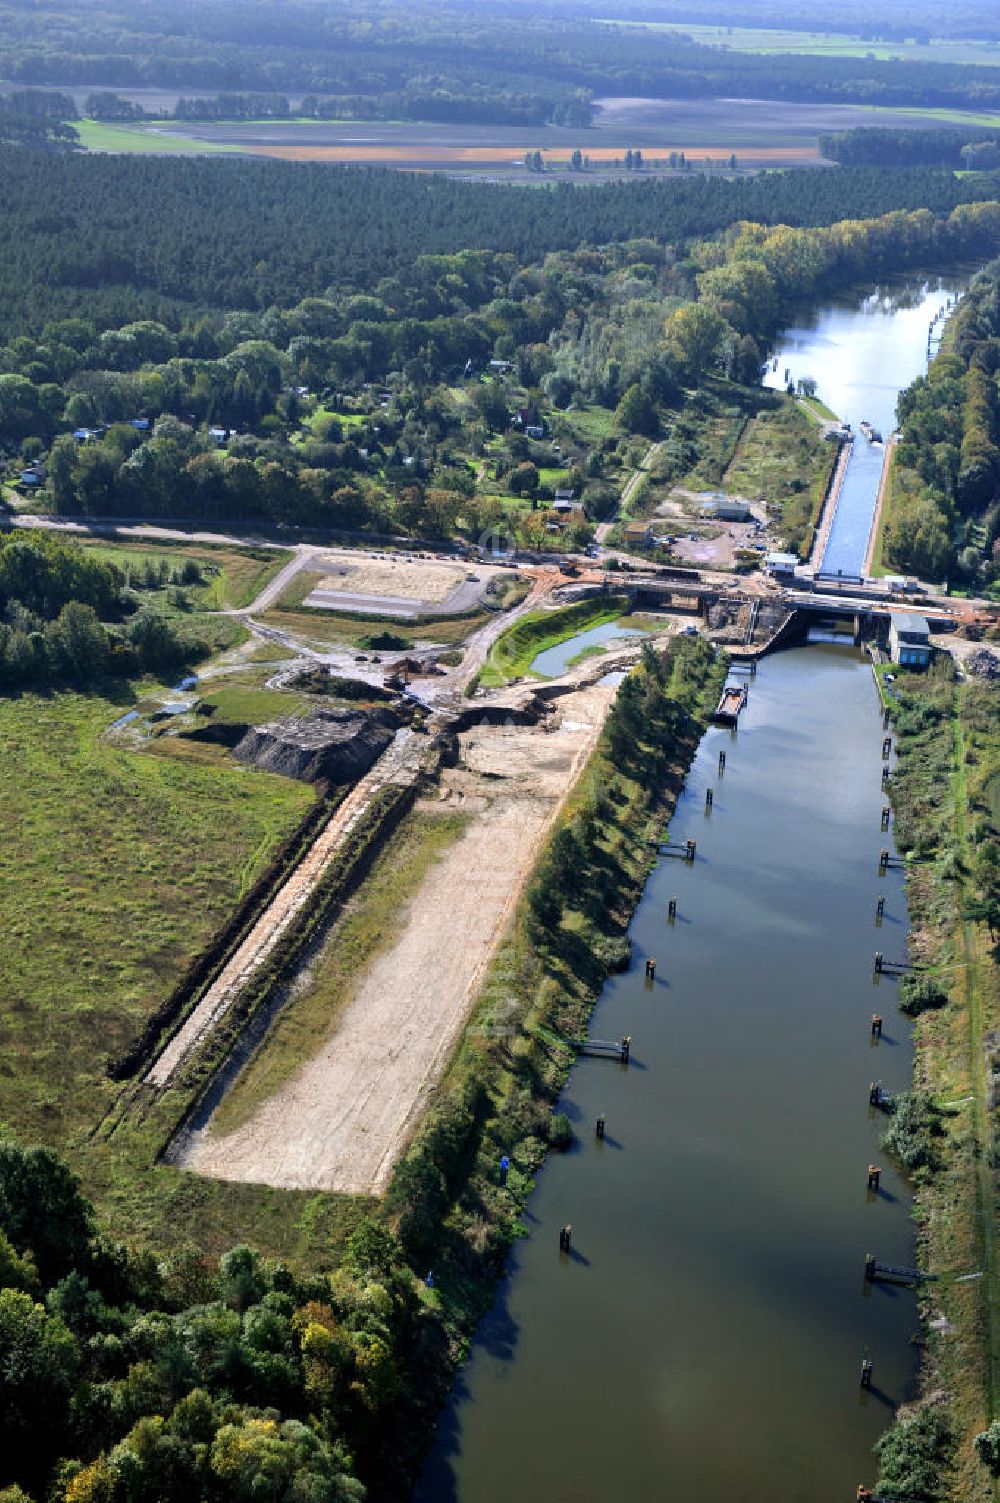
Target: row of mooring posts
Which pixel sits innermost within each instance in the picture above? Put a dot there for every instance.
(877, 1097)
(688, 851)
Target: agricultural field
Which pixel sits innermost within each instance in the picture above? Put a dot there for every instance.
(824, 43)
(98, 135)
(761, 134)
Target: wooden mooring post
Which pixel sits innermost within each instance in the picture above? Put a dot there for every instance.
(886, 748)
(672, 909)
(876, 1025)
(885, 719)
(878, 962)
(875, 1093)
(709, 796)
(690, 847)
(722, 763)
(879, 908)
(599, 1129)
(874, 1176)
(565, 1238)
(885, 777)
(883, 861)
(886, 815)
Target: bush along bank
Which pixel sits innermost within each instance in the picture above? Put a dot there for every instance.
(947, 812)
(450, 1205)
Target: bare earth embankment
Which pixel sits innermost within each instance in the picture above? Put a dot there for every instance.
(342, 1121)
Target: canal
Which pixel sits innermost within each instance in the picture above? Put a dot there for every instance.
(861, 352)
(705, 1336)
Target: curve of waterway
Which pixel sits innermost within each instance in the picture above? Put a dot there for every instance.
(861, 354)
(704, 1339)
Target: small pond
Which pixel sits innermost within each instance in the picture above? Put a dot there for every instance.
(555, 660)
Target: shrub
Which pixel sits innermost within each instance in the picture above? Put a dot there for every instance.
(911, 1133)
(987, 1445)
(920, 993)
(913, 1454)
(560, 1131)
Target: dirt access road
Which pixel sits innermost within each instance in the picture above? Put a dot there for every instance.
(345, 1118)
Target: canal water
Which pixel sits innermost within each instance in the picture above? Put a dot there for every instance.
(861, 353)
(704, 1338)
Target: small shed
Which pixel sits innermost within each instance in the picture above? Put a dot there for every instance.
(639, 534)
(724, 508)
(909, 639)
(780, 564)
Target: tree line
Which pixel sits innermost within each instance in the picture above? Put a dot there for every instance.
(54, 601)
(449, 51)
(878, 146)
(115, 239)
(945, 517)
(922, 20)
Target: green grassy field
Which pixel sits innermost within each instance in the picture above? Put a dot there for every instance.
(232, 577)
(95, 135)
(246, 705)
(825, 44)
(115, 869)
(783, 459)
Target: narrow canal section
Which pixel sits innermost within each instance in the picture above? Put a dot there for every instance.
(704, 1336)
(861, 355)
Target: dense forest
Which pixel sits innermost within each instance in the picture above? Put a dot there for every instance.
(123, 238)
(878, 146)
(372, 410)
(945, 519)
(54, 600)
(128, 1381)
(444, 62)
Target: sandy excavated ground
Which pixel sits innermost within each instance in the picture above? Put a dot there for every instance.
(344, 1119)
(423, 580)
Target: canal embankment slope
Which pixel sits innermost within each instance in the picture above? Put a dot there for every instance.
(943, 794)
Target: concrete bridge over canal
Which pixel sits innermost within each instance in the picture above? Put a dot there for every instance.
(784, 611)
